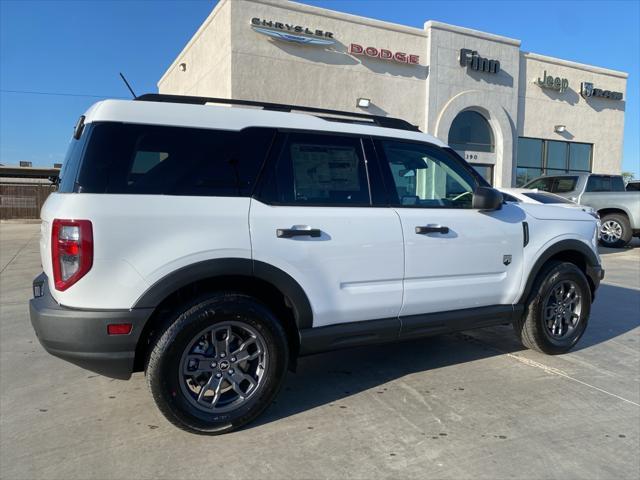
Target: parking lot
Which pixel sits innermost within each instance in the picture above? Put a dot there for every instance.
(470, 405)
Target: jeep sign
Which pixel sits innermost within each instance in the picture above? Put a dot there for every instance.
(553, 83)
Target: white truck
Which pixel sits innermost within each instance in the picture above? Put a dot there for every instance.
(212, 246)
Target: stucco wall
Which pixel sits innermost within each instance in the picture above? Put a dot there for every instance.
(207, 57)
(276, 71)
(453, 88)
(598, 121)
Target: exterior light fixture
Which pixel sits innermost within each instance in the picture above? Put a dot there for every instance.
(363, 102)
(183, 67)
(560, 128)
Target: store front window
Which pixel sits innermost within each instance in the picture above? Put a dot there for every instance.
(470, 131)
(486, 171)
(537, 157)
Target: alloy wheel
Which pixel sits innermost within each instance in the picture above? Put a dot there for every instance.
(223, 367)
(611, 231)
(562, 309)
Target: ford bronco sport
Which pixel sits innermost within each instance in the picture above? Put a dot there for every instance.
(211, 246)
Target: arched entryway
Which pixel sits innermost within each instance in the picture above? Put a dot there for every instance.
(479, 129)
(472, 137)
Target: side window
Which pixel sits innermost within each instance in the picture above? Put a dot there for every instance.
(564, 184)
(162, 160)
(427, 177)
(318, 170)
(543, 183)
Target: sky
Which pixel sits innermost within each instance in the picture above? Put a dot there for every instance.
(77, 48)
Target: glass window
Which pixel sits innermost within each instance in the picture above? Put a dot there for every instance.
(544, 197)
(557, 156)
(580, 157)
(149, 159)
(319, 170)
(617, 184)
(486, 171)
(564, 184)
(598, 183)
(71, 163)
(524, 175)
(633, 187)
(543, 183)
(471, 131)
(426, 177)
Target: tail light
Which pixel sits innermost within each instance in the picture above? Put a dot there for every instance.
(71, 251)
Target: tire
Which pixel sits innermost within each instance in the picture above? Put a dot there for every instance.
(555, 335)
(615, 231)
(186, 359)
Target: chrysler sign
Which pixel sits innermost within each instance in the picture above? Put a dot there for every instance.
(290, 32)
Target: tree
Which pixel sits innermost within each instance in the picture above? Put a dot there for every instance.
(627, 176)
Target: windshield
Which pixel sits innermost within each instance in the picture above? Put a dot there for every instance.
(544, 197)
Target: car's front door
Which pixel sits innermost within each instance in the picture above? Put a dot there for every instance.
(456, 257)
(313, 218)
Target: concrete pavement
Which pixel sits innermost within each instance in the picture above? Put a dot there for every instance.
(469, 405)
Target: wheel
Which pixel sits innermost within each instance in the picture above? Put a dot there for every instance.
(615, 231)
(557, 312)
(218, 365)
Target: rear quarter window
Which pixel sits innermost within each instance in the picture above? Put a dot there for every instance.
(162, 160)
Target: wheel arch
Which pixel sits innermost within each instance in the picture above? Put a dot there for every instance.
(613, 210)
(268, 284)
(573, 251)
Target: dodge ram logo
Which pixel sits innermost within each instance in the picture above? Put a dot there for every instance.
(506, 259)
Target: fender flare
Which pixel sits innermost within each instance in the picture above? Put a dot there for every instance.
(559, 247)
(242, 267)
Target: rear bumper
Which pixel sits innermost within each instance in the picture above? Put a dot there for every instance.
(80, 336)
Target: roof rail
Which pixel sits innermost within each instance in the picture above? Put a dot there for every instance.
(388, 122)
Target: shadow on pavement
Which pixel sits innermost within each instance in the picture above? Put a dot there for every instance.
(329, 377)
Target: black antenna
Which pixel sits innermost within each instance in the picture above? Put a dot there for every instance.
(128, 86)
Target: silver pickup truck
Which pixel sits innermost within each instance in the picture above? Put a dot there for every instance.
(619, 209)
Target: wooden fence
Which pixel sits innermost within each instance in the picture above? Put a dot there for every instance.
(23, 200)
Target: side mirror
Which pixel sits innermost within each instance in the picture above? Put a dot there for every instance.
(486, 199)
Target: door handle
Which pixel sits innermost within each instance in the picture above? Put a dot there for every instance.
(432, 229)
(298, 232)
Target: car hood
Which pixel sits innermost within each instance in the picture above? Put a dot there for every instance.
(554, 212)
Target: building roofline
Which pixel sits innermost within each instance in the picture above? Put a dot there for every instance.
(335, 14)
(433, 24)
(569, 63)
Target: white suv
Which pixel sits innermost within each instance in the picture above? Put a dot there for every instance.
(211, 246)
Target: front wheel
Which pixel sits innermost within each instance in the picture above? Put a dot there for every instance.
(218, 365)
(557, 312)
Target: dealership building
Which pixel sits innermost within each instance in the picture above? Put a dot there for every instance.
(512, 114)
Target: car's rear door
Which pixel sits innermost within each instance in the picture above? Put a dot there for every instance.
(313, 217)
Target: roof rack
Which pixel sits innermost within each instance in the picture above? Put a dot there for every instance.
(388, 122)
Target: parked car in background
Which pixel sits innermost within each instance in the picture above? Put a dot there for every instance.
(633, 186)
(618, 208)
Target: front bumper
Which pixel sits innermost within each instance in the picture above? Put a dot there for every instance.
(80, 336)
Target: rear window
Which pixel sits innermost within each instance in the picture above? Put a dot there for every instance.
(633, 186)
(543, 197)
(147, 159)
(604, 183)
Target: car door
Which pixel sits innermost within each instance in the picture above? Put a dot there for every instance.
(456, 257)
(313, 218)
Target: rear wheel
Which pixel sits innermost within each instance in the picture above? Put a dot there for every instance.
(615, 231)
(558, 311)
(218, 365)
